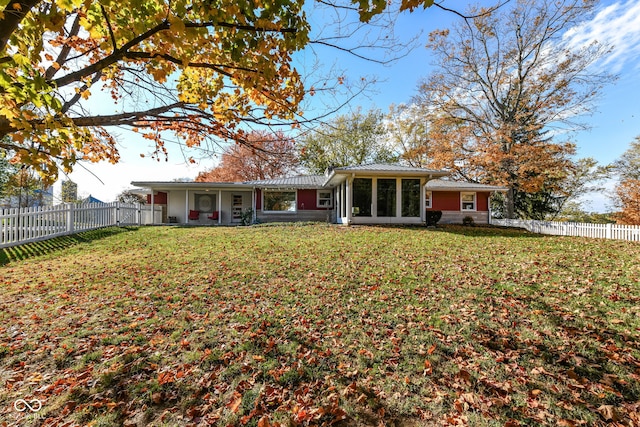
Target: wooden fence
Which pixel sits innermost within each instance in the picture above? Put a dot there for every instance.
(556, 228)
(24, 225)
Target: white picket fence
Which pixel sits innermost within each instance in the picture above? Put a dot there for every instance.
(577, 229)
(24, 225)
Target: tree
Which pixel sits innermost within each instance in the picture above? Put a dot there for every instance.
(503, 81)
(69, 191)
(24, 188)
(196, 69)
(350, 139)
(265, 156)
(627, 191)
(128, 196)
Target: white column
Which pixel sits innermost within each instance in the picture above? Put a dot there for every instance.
(186, 206)
(153, 208)
(219, 207)
(349, 189)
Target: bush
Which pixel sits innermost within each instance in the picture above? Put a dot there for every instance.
(433, 217)
(467, 220)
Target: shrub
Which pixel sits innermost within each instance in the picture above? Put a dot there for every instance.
(433, 217)
(467, 220)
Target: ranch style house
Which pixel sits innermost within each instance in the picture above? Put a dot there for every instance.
(363, 194)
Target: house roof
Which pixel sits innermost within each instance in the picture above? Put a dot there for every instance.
(301, 181)
(389, 168)
(337, 175)
(444, 185)
(191, 185)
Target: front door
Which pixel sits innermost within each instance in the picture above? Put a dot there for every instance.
(236, 208)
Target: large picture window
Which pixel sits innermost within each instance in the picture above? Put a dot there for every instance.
(386, 197)
(280, 200)
(362, 198)
(411, 197)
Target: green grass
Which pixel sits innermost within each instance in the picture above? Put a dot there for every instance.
(317, 324)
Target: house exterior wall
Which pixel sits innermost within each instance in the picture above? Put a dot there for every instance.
(159, 198)
(456, 217)
(306, 209)
(449, 203)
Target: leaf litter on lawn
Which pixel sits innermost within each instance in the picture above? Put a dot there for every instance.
(321, 325)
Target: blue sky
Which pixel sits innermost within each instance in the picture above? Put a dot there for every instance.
(614, 125)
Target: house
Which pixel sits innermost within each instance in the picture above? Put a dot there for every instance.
(363, 194)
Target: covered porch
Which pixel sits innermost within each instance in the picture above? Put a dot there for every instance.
(198, 203)
(381, 194)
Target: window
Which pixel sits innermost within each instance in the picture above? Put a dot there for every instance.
(428, 200)
(468, 201)
(325, 198)
(411, 197)
(362, 188)
(386, 197)
(279, 200)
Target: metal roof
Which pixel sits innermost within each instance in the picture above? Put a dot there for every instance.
(301, 181)
(443, 185)
(386, 167)
(338, 175)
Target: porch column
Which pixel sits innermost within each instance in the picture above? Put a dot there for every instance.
(153, 208)
(253, 205)
(219, 207)
(186, 206)
(349, 194)
(423, 199)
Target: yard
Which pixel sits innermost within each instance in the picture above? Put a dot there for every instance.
(320, 325)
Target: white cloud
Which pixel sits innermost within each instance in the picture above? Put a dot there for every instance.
(616, 25)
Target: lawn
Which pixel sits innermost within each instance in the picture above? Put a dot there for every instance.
(320, 325)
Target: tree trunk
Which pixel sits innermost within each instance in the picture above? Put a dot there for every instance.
(509, 201)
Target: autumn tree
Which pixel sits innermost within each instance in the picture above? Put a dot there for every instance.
(503, 80)
(24, 188)
(197, 70)
(349, 139)
(627, 191)
(266, 155)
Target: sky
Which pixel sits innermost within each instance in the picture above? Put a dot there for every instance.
(613, 126)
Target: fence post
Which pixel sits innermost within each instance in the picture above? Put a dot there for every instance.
(69, 217)
(139, 211)
(117, 214)
(609, 231)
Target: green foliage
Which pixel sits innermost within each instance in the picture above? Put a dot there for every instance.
(352, 139)
(628, 165)
(246, 218)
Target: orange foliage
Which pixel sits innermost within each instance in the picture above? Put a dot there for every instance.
(628, 192)
(261, 156)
